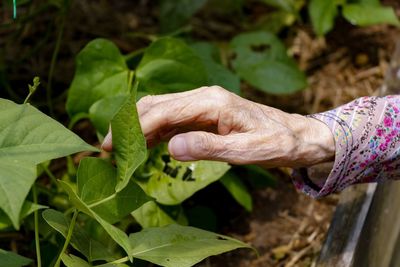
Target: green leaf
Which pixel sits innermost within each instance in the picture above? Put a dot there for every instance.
(95, 180)
(151, 215)
(169, 65)
(101, 72)
(27, 138)
(104, 110)
(172, 182)
(116, 234)
(27, 209)
(217, 73)
(365, 15)
(92, 249)
(179, 246)
(96, 183)
(10, 259)
(96, 196)
(275, 77)
(128, 141)
(237, 189)
(262, 61)
(74, 261)
(15, 183)
(323, 14)
(28, 135)
(176, 13)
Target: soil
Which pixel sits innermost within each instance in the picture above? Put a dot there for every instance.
(286, 227)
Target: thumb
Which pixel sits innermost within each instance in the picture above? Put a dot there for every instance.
(107, 143)
(197, 146)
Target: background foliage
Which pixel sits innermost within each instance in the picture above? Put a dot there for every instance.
(84, 216)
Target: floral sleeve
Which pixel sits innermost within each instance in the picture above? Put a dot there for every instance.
(367, 140)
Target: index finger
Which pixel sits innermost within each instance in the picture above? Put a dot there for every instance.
(194, 110)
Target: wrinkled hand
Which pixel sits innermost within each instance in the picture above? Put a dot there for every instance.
(211, 123)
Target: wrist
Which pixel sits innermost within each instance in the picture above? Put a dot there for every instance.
(315, 142)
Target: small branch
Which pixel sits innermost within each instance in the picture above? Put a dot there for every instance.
(36, 218)
(97, 203)
(68, 237)
(122, 260)
(32, 88)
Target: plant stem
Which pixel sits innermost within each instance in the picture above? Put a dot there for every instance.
(102, 201)
(131, 75)
(53, 64)
(122, 260)
(27, 97)
(36, 218)
(14, 9)
(68, 237)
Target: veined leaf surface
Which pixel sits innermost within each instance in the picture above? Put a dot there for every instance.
(27, 138)
(179, 246)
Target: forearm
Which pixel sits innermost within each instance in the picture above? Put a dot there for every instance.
(367, 141)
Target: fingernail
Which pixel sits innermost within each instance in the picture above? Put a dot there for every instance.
(179, 149)
(107, 140)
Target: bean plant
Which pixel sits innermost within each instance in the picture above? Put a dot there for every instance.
(102, 194)
(125, 208)
(105, 195)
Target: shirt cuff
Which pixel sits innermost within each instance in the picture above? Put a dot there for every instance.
(367, 140)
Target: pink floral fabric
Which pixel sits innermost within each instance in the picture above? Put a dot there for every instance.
(367, 137)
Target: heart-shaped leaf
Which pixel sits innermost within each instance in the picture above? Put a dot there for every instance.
(179, 246)
(217, 73)
(101, 72)
(28, 137)
(96, 187)
(262, 61)
(169, 65)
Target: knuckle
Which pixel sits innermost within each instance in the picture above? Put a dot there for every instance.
(203, 88)
(217, 89)
(219, 94)
(146, 101)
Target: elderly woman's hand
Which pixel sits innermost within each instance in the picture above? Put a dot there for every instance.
(211, 123)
